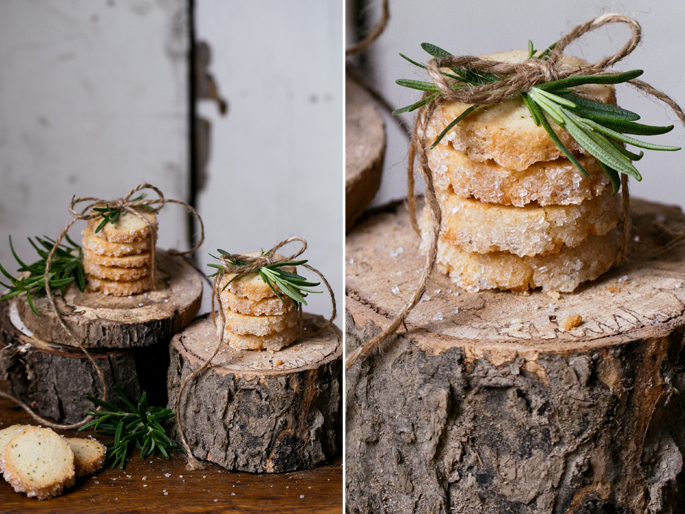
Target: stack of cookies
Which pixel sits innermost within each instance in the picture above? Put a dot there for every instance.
(516, 214)
(257, 319)
(117, 258)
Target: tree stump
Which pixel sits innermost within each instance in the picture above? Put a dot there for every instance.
(54, 379)
(485, 404)
(364, 151)
(102, 321)
(258, 411)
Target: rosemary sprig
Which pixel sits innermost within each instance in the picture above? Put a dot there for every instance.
(292, 285)
(112, 214)
(600, 129)
(65, 268)
(139, 427)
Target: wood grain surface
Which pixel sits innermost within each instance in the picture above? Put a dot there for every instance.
(141, 487)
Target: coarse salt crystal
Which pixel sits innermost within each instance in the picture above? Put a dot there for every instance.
(455, 310)
(425, 298)
(437, 291)
(216, 500)
(140, 305)
(350, 261)
(167, 475)
(144, 485)
(448, 291)
(636, 239)
(438, 317)
(551, 307)
(301, 496)
(622, 279)
(456, 293)
(145, 477)
(397, 252)
(395, 290)
(166, 301)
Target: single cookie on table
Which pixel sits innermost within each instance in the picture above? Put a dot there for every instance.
(114, 274)
(251, 285)
(6, 434)
(100, 246)
(273, 342)
(555, 182)
(129, 228)
(125, 261)
(112, 288)
(89, 455)
(267, 306)
(40, 463)
(260, 325)
(483, 227)
(505, 132)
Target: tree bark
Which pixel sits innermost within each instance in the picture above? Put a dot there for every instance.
(492, 407)
(364, 151)
(258, 411)
(55, 379)
(102, 321)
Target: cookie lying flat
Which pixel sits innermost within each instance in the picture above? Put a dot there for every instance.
(40, 463)
(505, 132)
(562, 271)
(113, 288)
(482, 227)
(100, 246)
(555, 182)
(260, 325)
(89, 455)
(267, 306)
(251, 285)
(6, 434)
(272, 342)
(129, 228)
(114, 274)
(126, 261)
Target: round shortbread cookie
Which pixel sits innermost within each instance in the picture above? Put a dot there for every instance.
(114, 274)
(101, 246)
(6, 434)
(129, 228)
(555, 182)
(272, 342)
(251, 285)
(126, 261)
(260, 325)
(482, 227)
(505, 132)
(112, 288)
(89, 455)
(40, 463)
(267, 306)
(562, 271)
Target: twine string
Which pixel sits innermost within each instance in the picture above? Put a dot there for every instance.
(239, 265)
(86, 214)
(516, 78)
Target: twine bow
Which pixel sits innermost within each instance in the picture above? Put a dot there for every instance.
(86, 214)
(253, 263)
(515, 79)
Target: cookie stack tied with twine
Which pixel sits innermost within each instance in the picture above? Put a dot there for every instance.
(117, 256)
(516, 213)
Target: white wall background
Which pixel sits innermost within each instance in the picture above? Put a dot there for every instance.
(489, 26)
(276, 164)
(93, 101)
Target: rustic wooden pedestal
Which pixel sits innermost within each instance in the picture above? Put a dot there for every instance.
(484, 404)
(258, 411)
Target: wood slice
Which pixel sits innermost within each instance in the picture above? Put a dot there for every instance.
(258, 411)
(102, 321)
(492, 407)
(54, 379)
(364, 151)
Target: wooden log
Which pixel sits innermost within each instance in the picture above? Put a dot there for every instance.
(258, 411)
(102, 321)
(364, 151)
(485, 404)
(54, 379)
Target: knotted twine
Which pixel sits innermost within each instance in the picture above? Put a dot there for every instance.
(86, 214)
(516, 78)
(253, 264)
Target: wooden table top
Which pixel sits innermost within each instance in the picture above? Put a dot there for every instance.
(157, 485)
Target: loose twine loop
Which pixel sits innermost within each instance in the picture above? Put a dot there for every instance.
(125, 204)
(516, 79)
(254, 263)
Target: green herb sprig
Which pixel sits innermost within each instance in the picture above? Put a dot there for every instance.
(292, 285)
(112, 214)
(600, 129)
(65, 268)
(139, 427)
